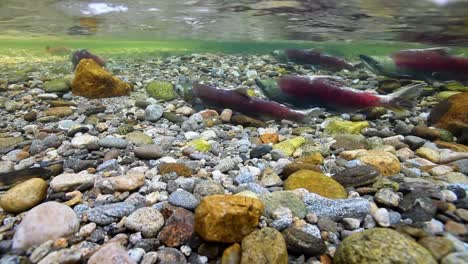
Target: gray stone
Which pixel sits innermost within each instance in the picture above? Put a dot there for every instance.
(253, 187)
(113, 142)
(414, 142)
(206, 188)
(338, 208)
(462, 165)
(357, 176)
(183, 199)
(153, 113)
(388, 197)
(300, 242)
(6, 166)
(109, 213)
(146, 220)
(70, 181)
(287, 199)
(149, 152)
(136, 254)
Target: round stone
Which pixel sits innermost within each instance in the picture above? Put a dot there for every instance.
(113, 142)
(146, 220)
(183, 199)
(24, 195)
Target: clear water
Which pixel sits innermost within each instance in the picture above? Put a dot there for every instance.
(344, 28)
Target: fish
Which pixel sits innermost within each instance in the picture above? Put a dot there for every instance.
(80, 54)
(332, 93)
(237, 100)
(420, 64)
(313, 57)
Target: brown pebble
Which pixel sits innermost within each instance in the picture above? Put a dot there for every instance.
(455, 228)
(31, 116)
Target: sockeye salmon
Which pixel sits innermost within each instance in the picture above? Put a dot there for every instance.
(313, 57)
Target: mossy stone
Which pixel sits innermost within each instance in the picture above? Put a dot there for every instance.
(446, 94)
(162, 91)
(289, 146)
(139, 138)
(381, 245)
(200, 145)
(61, 85)
(338, 126)
(315, 182)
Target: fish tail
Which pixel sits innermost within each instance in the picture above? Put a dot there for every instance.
(404, 97)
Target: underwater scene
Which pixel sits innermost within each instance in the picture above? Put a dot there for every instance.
(217, 131)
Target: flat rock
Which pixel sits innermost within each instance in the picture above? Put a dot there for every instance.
(387, 163)
(113, 142)
(122, 183)
(47, 221)
(285, 199)
(149, 152)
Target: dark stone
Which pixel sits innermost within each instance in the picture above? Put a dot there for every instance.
(171, 256)
(459, 191)
(79, 165)
(30, 116)
(300, 242)
(418, 207)
(327, 225)
(246, 121)
(73, 131)
(152, 151)
(148, 244)
(178, 229)
(349, 142)
(259, 151)
(462, 203)
(414, 142)
(95, 110)
(210, 250)
(357, 176)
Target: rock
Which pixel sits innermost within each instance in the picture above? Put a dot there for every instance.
(6, 166)
(387, 197)
(349, 142)
(122, 183)
(315, 182)
(338, 126)
(285, 199)
(47, 221)
(226, 115)
(226, 218)
(92, 81)
(382, 217)
(311, 158)
(387, 163)
(414, 142)
(83, 140)
(429, 154)
(451, 114)
(8, 142)
(438, 246)
(63, 256)
(446, 94)
(269, 178)
(149, 152)
(61, 111)
(264, 246)
(179, 228)
(200, 145)
(111, 253)
(70, 181)
(259, 151)
(146, 220)
(138, 138)
(357, 176)
(170, 256)
(455, 258)
(57, 86)
(232, 254)
(462, 165)
(455, 228)
(136, 254)
(178, 168)
(24, 195)
(246, 121)
(336, 209)
(113, 142)
(293, 167)
(289, 146)
(300, 242)
(162, 91)
(418, 207)
(269, 138)
(393, 247)
(109, 213)
(153, 113)
(207, 188)
(183, 199)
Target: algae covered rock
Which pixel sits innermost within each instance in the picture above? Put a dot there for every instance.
(287, 199)
(200, 145)
(387, 163)
(381, 245)
(315, 182)
(338, 126)
(57, 86)
(227, 218)
(162, 91)
(289, 146)
(451, 114)
(264, 246)
(92, 81)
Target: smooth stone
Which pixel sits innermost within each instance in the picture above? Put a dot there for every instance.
(146, 220)
(24, 196)
(112, 142)
(83, 140)
(70, 181)
(387, 163)
(388, 197)
(149, 152)
(300, 242)
(111, 253)
(153, 113)
(36, 227)
(138, 138)
(227, 218)
(183, 199)
(336, 209)
(357, 176)
(289, 146)
(109, 213)
(264, 246)
(207, 188)
(315, 182)
(285, 199)
(383, 245)
(259, 151)
(122, 183)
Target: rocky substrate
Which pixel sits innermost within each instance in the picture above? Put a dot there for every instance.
(146, 178)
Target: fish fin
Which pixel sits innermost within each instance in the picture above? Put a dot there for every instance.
(404, 97)
(242, 91)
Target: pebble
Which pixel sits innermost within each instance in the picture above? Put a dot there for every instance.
(24, 196)
(109, 213)
(387, 197)
(112, 142)
(183, 199)
(149, 152)
(146, 220)
(153, 113)
(70, 181)
(83, 140)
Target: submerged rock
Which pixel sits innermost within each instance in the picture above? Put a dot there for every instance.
(264, 246)
(451, 114)
(92, 81)
(24, 195)
(315, 182)
(162, 91)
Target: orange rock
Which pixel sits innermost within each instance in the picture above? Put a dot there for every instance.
(60, 111)
(451, 114)
(92, 81)
(269, 138)
(453, 146)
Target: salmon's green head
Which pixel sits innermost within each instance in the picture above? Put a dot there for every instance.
(184, 89)
(381, 65)
(280, 55)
